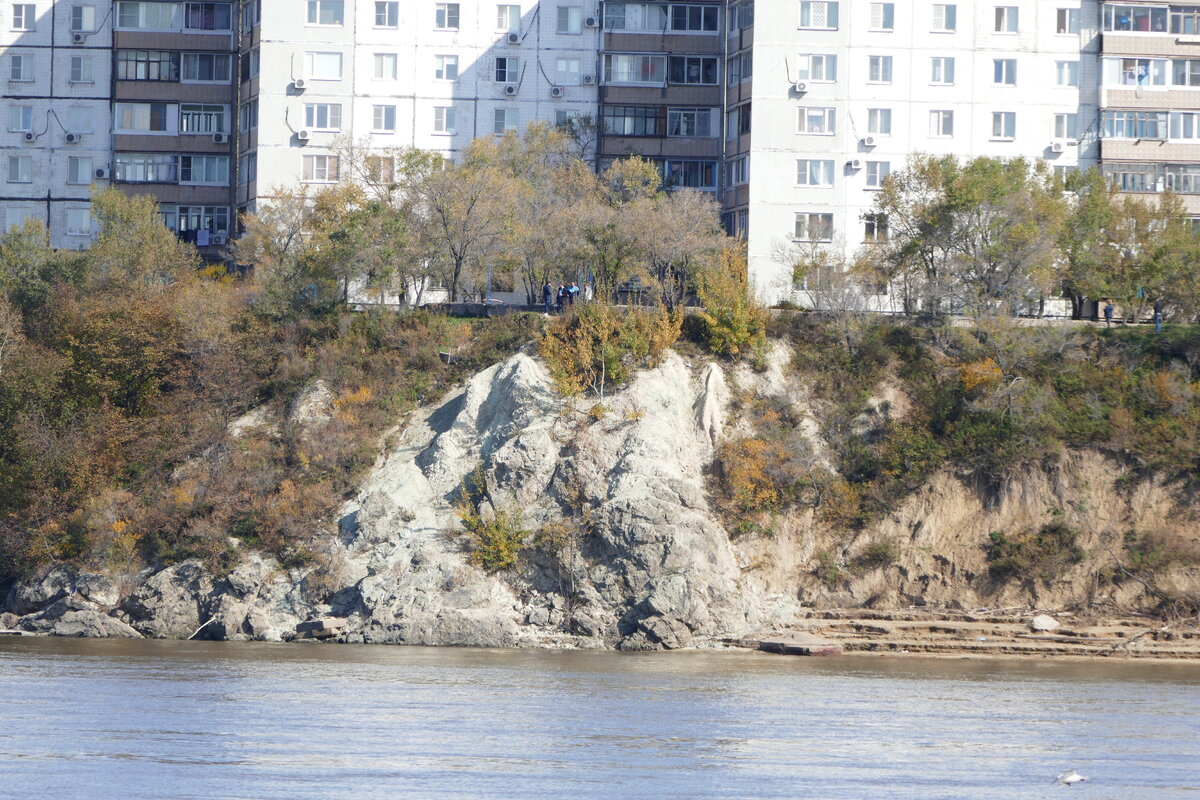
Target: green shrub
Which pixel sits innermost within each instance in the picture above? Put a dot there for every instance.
(1032, 555)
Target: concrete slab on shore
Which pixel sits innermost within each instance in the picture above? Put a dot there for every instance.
(800, 645)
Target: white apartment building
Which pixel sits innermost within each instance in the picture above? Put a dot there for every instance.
(838, 94)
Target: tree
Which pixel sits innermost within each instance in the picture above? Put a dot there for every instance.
(680, 233)
(1083, 241)
(133, 246)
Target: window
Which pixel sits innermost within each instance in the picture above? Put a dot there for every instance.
(323, 116)
(814, 172)
(1004, 71)
(79, 120)
(214, 219)
(247, 169)
(693, 19)
(817, 120)
(443, 119)
(505, 120)
(320, 169)
(875, 228)
(818, 68)
(1185, 20)
(945, 18)
(325, 12)
(81, 69)
(387, 15)
(1134, 124)
(814, 227)
(248, 116)
(883, 16)
(690, 174)
(632, 17)
(736, 171)
(879, 121)
(323, 66)
(445, 16)
(876, 172)
(20, 169)
(1004, 125)
(1151, 19)
(740, 67)
(79, 222)
(942, 70)
(145, 168)
(1185, 72)
(20, 118)
(83, 19)
(569, 19)
(566, 71)
(694, 70)
(380, 169)
(635, 69)
(143, 117)
(1066, 126)
(1067, 21)
(1135, 71)
(508, 70)
(20, 68)
(385, 66)
(79, 170)
(383, 119)
(24, 17)
(206, 67)
(631, 121)
(196, 118)
(697, 122)
(1066, 73)
(879, 69)
(941, 123)
(508, 18)
(204, 169)
(1184, 125)
(445, 68)
(147, 65)
(818, 15)
(1006, 19)
(148, 16)
(208, 16)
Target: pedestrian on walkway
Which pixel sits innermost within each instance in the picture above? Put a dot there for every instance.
(572, 290)
(1108, 313)
(1158, 315)
(547, 293)
(561, 297)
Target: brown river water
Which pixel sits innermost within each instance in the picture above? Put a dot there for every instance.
(152, 719)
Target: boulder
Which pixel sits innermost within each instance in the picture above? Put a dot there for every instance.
(35, 594)
(60, 619)
(168, 604)
(1044, 623)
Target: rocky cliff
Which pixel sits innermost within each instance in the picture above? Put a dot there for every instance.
(622, 544)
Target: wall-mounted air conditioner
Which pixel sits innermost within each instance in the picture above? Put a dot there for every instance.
(514, 38)
(868, 141)
(800, 86)
(30, 136)
(591, 22)
(557, 91)
(510, 90)
(588, 80)
(102, 173)
(1057, 147)
(854, 163)
(303, 135)
(220, 138)
(300, 84)
(78, 38)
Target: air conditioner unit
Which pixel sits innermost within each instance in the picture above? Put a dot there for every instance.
(1057, 147)
(591, 22)
(30, 136)
(800, 87)
(514, 38)
(217, 238)
(854, 163)
(73, 138)
(868, 141)
(303, 135)
(78, 38)
(510, 90)
(557, 91)
(220, 138)
(300, 84)
(102, 173)
(588, 80)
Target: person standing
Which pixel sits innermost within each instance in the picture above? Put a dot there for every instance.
(561, 298)
(1158, 315)
(1108, 313)
(547, 293)
(572, 290)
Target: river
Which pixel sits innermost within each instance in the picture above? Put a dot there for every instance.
(153, 719)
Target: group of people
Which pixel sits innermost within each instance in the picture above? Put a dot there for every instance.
(1158, 314)
(565, 296)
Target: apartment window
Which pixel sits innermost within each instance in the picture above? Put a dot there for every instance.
(247, 169)
(79, 120)
(697, 122)
(1066, 73)
(20, 169)
(1185, 20)
(945, 18)
(505, 120)
(20, 68)
(320, 169)
(693, 19)
(79, 170)
(214, 219)
(814, 172)
(1185, 72)
(1136, 71)
(1134, 124)
(631, 121)
(196, 118)
(445, 68)
(813, 227)
(387, 15)
(79, 222)
(941, 70)
(690, 174)
(445, 16)
(380, 169)
(443, 119)
(147, 65)
(20, 119)
(737, 121)
(818, 68)
(1066, 126)
(879, 69)
(83, 19)
(24, 17)
(383, 119)
(143, 117)
(323, 66)
(1151, 19)
(694, 70)
(820, 121)
(508, 69)
(1006, 19)
(248, 116)
(148, 16)
(508, 18)
(736, 171)
(326, 12)
(1004, 71)
(1004, 125)
(876, 172)
(569, 19)
(250, 15)
(635, 69)
(941, 123)
(204, 169)
(875, 228)
(206, 67)
(649, 17)
(249, 67)
(208, 16)
(566, 71)
(385, 66)
(81, 69)
(1067, 21)
(883, 16)
(1184, 125)
(818, 15)
(879, 121)
(323, 116)
(740, 67)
